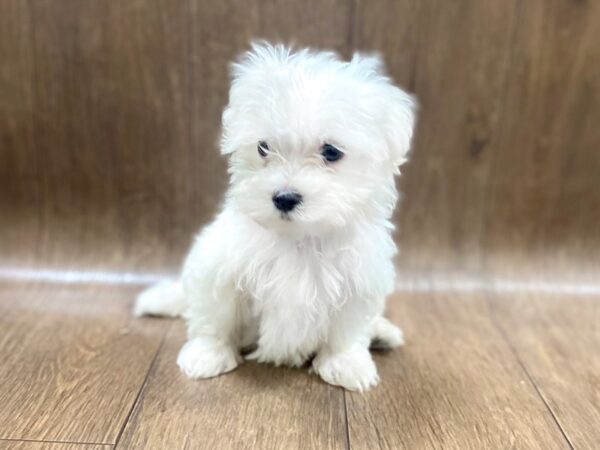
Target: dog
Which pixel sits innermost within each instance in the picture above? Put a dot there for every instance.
(299, 260)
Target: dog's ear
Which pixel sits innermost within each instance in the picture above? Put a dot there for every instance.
(228, 118)
(259, 61)
(397, 107)
(400, 124)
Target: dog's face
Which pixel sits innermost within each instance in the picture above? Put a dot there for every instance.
(314, 141)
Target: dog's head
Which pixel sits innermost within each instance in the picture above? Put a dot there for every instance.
(314, 141)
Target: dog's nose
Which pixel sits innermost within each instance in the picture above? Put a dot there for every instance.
(285, 201)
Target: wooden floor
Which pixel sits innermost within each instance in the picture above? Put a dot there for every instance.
(480, 370)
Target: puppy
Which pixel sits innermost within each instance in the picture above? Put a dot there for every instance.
(299, 261)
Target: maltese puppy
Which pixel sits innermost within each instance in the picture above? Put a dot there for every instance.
(298, 263)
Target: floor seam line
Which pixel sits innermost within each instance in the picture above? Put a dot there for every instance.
(142, 387)
(527, 374)
(346, 419)
(54, 441)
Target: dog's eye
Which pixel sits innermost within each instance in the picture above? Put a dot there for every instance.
(330, 153)
(263, 149)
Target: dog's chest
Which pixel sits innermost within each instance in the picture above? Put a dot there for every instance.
(302, 273)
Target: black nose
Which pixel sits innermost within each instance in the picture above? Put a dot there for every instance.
(286, 201)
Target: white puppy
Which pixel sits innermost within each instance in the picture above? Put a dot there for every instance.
(299, 261)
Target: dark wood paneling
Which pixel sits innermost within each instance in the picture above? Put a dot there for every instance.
(110, 115)
(545, 190)
(19, 169)
(124, 104)
(454, 56)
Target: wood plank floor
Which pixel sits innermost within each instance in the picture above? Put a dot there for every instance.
(557, 340)
(456, 384)
(479, 370)
(30, 445)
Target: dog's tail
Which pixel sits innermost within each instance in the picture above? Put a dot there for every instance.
(162, 299)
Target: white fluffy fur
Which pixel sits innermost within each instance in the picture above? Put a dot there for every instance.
(314, 282)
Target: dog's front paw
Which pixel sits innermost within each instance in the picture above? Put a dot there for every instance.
(204, 357)
(352, 369)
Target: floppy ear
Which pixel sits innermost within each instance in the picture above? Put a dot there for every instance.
(228, 118)
(255, 64)
(399, 124)
(397, 108)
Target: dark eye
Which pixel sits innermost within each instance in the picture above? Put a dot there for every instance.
(263, 149)
(330, 153)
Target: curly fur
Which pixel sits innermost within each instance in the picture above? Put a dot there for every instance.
(313, 281)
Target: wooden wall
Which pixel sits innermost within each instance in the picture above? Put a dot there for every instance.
(110, 112)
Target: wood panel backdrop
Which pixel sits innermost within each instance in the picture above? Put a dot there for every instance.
(110, 114)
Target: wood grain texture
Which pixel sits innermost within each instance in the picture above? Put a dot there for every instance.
(455, 385)
(110, 114)
(19, 172)
(73, 361)
(458, 383)
(110, 121)
(256, 406)
(454, 56)
(29, 445)
(125, 103)
(544, 194)
(109, 117)
(557, 338)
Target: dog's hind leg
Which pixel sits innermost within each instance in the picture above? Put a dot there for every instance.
(384, 334)
(162, 299)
